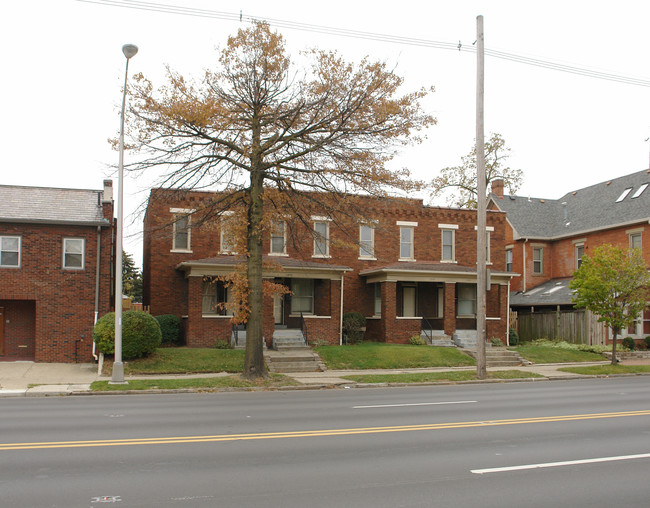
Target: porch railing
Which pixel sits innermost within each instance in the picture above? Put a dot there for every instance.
(427, 330)
(235, 335)
(303, 328)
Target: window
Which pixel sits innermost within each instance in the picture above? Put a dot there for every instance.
(406, 242)
(215, 297)
(487, 248)
(538, 256)
(509, 260)
(409, 299)
(73, 253)
(181, 234)
(303, 296)
(448, 246)
(624, 194)
(321, 239)
(10, 251)
(227, 233)
(466, 300)
(635, 240)
(278, 241)
(366, 241)
(580, 252)
(377, 311)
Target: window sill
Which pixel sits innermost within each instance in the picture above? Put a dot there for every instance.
(227, 253)
(215, 316)
(366, 259)
(182, 251)
(321, 256)
(450, 261)
(408, 260)
(373, 317)
(406, 317)
(279, 254)
(309, 316)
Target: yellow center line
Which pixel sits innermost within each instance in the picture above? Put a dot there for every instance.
(312, 433)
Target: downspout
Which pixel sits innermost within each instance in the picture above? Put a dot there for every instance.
(97, 274)
(508, 316)
(341, 313)
(524, 263)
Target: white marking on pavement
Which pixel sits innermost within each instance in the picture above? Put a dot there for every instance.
(419, 404)
(559, 464)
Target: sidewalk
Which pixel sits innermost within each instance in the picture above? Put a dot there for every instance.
(20, 379)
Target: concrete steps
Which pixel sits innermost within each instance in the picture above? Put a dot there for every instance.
(437, 338)
(288, 339)
(293, 361)
(499, 357)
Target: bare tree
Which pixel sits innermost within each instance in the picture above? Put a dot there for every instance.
(268, 136)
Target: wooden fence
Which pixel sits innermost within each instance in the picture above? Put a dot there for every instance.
(575, 326)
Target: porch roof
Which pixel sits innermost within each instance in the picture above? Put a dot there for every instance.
(429, 271)
(275, 266)
(552, 292)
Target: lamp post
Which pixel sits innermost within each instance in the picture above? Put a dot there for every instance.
(129, 51)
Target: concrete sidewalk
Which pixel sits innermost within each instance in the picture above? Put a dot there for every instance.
(19, 379)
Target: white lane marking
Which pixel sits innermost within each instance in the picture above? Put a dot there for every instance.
(419, 404)
(559, 464)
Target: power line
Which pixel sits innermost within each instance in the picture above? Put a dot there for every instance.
(357, 34)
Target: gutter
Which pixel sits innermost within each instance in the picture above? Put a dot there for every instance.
(524, 262)
(341, 314)
(97, 275)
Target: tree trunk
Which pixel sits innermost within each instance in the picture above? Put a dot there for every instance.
(614, 361)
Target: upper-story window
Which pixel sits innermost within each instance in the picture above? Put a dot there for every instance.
(366, 241)
(635, 240)
(227, 233)
(538, 260)
(278, 238)
(579, 254)
(10, 251)
(509, 259)
(182, 234)
(448, 242)
(407, 240)
(73, 253)
(321, 237)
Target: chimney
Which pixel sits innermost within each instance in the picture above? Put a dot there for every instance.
(108, 191)
(497, 187)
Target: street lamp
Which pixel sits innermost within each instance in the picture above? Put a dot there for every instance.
(129, 51)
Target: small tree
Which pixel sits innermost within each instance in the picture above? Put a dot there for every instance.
(461, 180)
(613, 284)
(131, 278)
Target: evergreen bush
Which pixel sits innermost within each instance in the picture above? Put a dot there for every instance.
(513, 338)
(628, 343)
(141, 334)
(353, 325)
(170, 326)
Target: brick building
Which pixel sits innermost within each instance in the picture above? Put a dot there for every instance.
(409, 268)
(56, 252)
(547, 238)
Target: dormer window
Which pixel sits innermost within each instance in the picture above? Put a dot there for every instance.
(624, 194)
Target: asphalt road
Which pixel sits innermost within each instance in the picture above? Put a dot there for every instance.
(575, 443)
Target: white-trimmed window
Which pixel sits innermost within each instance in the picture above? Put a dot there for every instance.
(366, 241)
(407, 240)
(227, 233)
(635, 240)
(321, 237)
(579, 254)
(278, 238)
(488, 230)
(448, 242)
(466, 299)
(215, 297)
(538, 260)
(74, 253)
(10, 251)
(181, 235)
(509, 259)
(377, 310)
(302, 299)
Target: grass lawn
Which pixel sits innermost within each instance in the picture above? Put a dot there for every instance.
(274, 381)
(549, 354)
(606, 370)
(183, 360)
(425, 377)
(374, 355)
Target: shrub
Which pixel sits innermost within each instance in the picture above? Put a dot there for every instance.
(496, 342)
(513, 337)
(628, 343)
(416, 340)
(170, 326)
(223, 344)
(353, 324)
(647, 342)
(141, 334)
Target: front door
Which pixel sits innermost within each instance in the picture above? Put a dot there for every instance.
(2, 330)
(278, 309)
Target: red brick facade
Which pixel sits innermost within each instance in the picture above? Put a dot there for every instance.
(48, 311)
(421, 285)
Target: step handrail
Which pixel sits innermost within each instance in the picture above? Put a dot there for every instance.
(427, 329)
(303, 329)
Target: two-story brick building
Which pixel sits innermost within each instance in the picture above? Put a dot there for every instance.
(547, 238)
(407, 267)
(56, 253)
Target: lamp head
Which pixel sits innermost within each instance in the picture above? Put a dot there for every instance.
(129, 50)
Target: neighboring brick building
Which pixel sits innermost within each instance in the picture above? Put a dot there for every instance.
(407, 263)
(546, 238)
(56, 253)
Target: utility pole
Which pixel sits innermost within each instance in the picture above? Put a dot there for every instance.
(481, 275)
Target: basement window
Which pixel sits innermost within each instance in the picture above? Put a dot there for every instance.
(624, 194)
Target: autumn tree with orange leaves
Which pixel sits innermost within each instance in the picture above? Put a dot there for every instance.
(269, 134)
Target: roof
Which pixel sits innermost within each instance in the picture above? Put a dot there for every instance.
(592, 208)
(428, 271)
(552, 292)
(51, 206)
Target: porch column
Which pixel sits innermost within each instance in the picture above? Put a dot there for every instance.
(388, 310)
(193, 336)
(450, 309)
(336, 297)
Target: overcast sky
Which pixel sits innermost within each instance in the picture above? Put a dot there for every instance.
(63, 70)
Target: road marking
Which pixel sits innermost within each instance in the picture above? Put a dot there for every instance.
(560, 464)
(418, 404)
(312, 433)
